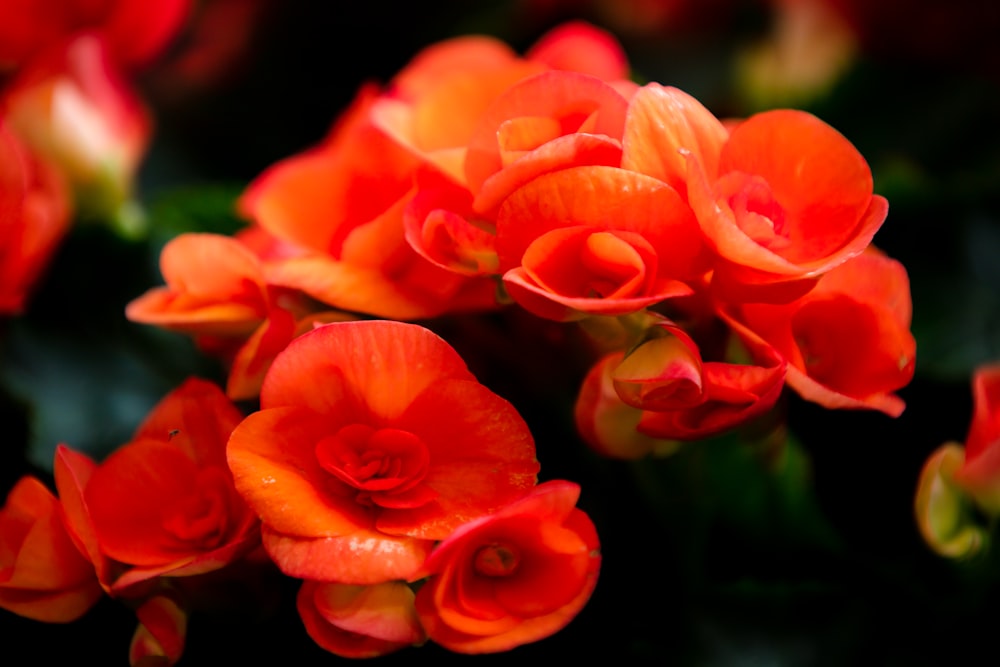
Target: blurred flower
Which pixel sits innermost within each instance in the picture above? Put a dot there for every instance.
(73, 106)
(135, 31)
(34, 216)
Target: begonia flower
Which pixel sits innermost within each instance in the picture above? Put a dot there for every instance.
(360, 621)
(34, 218)
(847, 342)
(374, 440)
(597, 240)
(781, 199)
(513, 577)
(135, 31)
(43, 575)
(163, 504)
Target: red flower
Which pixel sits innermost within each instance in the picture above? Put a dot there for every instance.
(373, 440)
(43, 575)
(513, 577)
(34, 217)
(135, 30)
(163, 504)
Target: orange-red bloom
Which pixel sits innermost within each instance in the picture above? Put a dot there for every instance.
(513, 577)
(373, 440)
(360, 621)
(781, 200)
(847, 342)
(163, 504)
(43, 575)
(34, 217)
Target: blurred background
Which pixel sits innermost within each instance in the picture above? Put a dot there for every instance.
(715, 556)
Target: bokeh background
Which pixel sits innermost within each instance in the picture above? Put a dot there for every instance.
(716, 556)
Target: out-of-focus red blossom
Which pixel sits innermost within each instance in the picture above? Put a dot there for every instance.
(218, 290)
(72, 105)
(847, 342)
(781, 199)
(635, 404)
(159, 638)
(135, 31)
(213, 50)
(34, 218)
(360, 621)
(980, 471)
(372, 441)
(959, 484)
(597, 240)
(513, 577)
(163, 504)
(43, 575)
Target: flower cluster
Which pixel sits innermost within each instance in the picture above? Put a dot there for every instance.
(705, 263)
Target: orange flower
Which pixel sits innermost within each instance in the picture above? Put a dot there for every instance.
(847, 342)
(373, 440)
(34, 217)
(596, 240)
(163, 504)
(360, 621)
(135, 30)
(43, 575)
(513, 577)
(781, 200)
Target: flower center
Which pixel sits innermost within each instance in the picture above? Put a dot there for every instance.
(496, 560)
(377, 462)
(758, 214)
